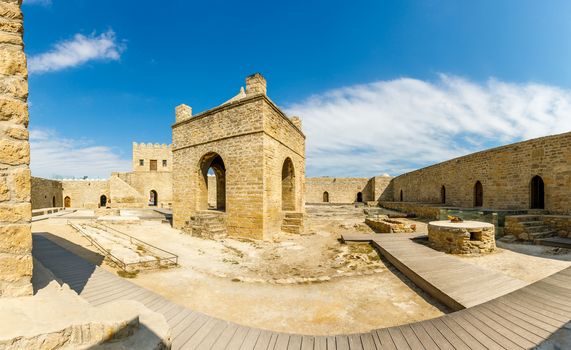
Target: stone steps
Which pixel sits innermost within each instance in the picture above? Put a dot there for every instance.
(294, 229)
(542, 234)
(558, 242)
(293, 223)
(208, 224)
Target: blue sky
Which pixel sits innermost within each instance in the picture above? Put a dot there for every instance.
(381, 86)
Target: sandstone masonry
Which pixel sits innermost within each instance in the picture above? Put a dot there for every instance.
(15, 183)
(256, 153)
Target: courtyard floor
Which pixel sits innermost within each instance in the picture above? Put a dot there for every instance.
(307, 284)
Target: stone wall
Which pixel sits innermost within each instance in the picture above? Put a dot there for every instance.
(346, 190)
(144, 153)
(561, 224)
(15, 182)
(250, 139)
(385, 225)
(85, 193)
(504, 172)
(46, 193)
(142, 183)
(423, 210)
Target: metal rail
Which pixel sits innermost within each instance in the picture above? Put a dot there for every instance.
(170, 260)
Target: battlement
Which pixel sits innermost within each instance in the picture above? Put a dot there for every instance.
(145, 146)
(152, 157)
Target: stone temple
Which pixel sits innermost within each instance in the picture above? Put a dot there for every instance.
(257, 155)
(238, 170)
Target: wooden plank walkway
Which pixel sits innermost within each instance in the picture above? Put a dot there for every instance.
(521, 320)
(455, 283)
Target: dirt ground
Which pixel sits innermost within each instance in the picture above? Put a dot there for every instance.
(310, 284)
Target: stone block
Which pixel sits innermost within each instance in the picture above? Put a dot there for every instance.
(16, 239)
(14, 152)
(13, 110)
(13, 213)
(13, 61)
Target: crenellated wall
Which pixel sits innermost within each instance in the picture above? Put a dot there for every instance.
(145, 153)
(504, 172)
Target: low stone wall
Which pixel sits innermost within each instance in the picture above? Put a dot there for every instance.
(470, 237)
(390, 226)
(430, 211)
(559, 223)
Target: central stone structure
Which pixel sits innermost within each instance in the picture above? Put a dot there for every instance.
(257, 155)
(468, 237)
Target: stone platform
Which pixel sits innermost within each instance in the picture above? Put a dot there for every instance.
(468, 237)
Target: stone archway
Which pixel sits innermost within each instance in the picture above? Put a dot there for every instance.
(153, 198)
(325, 197)
(212, 163)
(443, 195)
(478, 195)
(288, 185)
(359, 197)
(103, 201)
(537, 193)
(67, 202)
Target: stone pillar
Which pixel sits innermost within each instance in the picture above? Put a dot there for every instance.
(255, 84)
(15, 182)
(296, 121)
(183, 112)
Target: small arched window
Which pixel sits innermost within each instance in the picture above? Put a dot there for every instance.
(325, 197)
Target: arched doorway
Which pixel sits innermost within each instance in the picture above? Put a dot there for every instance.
(478, 194)
(53, 201)
(153, 198)
(537, 193)
(212, 165)
(326, 197)
(288, 185)
(359, 197)
(443, 195)
(67, 202)
(103, 201)
(401, 196)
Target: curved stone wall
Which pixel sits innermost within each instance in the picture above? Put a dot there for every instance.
(504, 172)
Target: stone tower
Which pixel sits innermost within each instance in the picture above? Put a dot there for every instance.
(257, 155)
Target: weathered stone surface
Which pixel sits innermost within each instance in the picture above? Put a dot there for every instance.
(386, 225)
(15, 239)
(22, 184)
(14, 152)
(12, 61)
(18, 133)
(468, 237)
(10, 10)
(13, 110)
(15, 208)
(12, 213)
(14, 86)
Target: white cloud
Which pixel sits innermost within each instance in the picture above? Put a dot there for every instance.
(53, 156)
(77, 51)
(399, 125)
(38, 2)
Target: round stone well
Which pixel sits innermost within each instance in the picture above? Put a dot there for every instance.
(467, 237)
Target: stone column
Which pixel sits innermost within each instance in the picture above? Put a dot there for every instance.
(15, 192)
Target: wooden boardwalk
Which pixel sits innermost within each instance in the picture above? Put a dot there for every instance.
(520, 320)
(455, 283)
